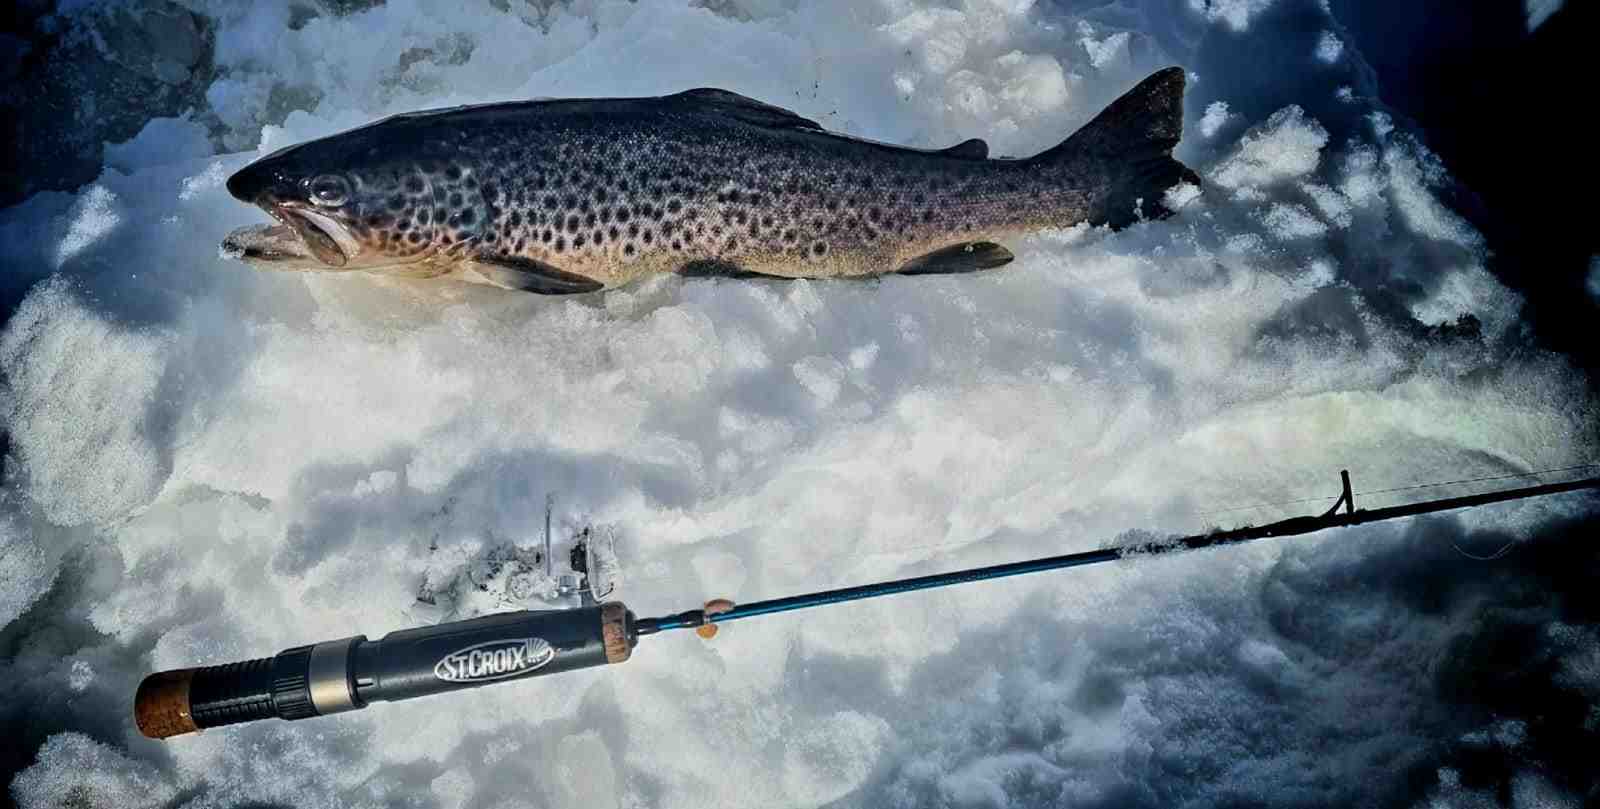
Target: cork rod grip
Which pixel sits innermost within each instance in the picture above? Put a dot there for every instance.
(161, 707)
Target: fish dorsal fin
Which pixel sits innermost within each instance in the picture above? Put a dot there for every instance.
(974, 149)
(744, 108)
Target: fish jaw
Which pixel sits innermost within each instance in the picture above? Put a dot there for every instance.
(302, 239)
(271, 247)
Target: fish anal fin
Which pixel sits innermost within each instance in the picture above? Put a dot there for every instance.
(530, 275)
(958, 258)
(744, 108)
(974, 149)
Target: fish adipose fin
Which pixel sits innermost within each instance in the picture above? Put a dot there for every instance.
(1133, 140)
(959, 258)
(528, 275)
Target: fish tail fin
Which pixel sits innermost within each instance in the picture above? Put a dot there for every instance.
(1129, 144)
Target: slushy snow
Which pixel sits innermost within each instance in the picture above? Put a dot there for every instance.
(210, 463)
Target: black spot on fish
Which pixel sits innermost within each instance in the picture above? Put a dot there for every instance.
(453, 173)
(927, 215)
(516, 219)
(819, 249)
(572, 223)
(570, 202)
(414, 237)
(627, 249)
(674, 206)
(468, 217)
(623, 213)
(414, 185)
(561, 244)
(766, 221)
(578, 241)
(614, 232)
(397, 203)
(546, 236)
(791, 235)
(647, 237)
(472, 183)
(403, 225)
(633, 230)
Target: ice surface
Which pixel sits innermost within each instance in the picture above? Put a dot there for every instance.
(209, 463)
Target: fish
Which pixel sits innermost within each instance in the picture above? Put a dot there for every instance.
(568, 196)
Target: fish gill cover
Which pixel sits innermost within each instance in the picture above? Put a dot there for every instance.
(208, 463)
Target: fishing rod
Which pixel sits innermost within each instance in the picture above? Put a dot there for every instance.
(353, 672)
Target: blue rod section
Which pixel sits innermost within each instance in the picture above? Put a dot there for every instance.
(1283, 528)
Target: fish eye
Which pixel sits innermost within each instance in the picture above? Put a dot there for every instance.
(330, 190)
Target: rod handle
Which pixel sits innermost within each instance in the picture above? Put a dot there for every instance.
(172, 703)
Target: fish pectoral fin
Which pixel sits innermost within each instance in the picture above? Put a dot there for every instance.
(957, 258)
(744, 108)
(974, 149)
(528, 275)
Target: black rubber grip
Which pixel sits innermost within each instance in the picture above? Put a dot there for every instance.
(253, 689)
(232, 692)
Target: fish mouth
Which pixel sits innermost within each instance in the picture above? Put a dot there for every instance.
(303, 239)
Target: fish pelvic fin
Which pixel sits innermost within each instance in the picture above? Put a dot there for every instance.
(1130, 143)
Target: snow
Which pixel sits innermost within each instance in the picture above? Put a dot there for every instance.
(209, 463)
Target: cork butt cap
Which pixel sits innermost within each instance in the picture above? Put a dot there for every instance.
(161, 706)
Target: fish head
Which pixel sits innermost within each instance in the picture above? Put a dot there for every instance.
(353, 201)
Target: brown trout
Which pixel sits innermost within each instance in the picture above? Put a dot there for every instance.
(567, 196)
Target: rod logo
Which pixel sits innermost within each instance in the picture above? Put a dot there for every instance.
(494, 660)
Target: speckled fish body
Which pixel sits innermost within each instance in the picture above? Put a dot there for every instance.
(579, 195)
